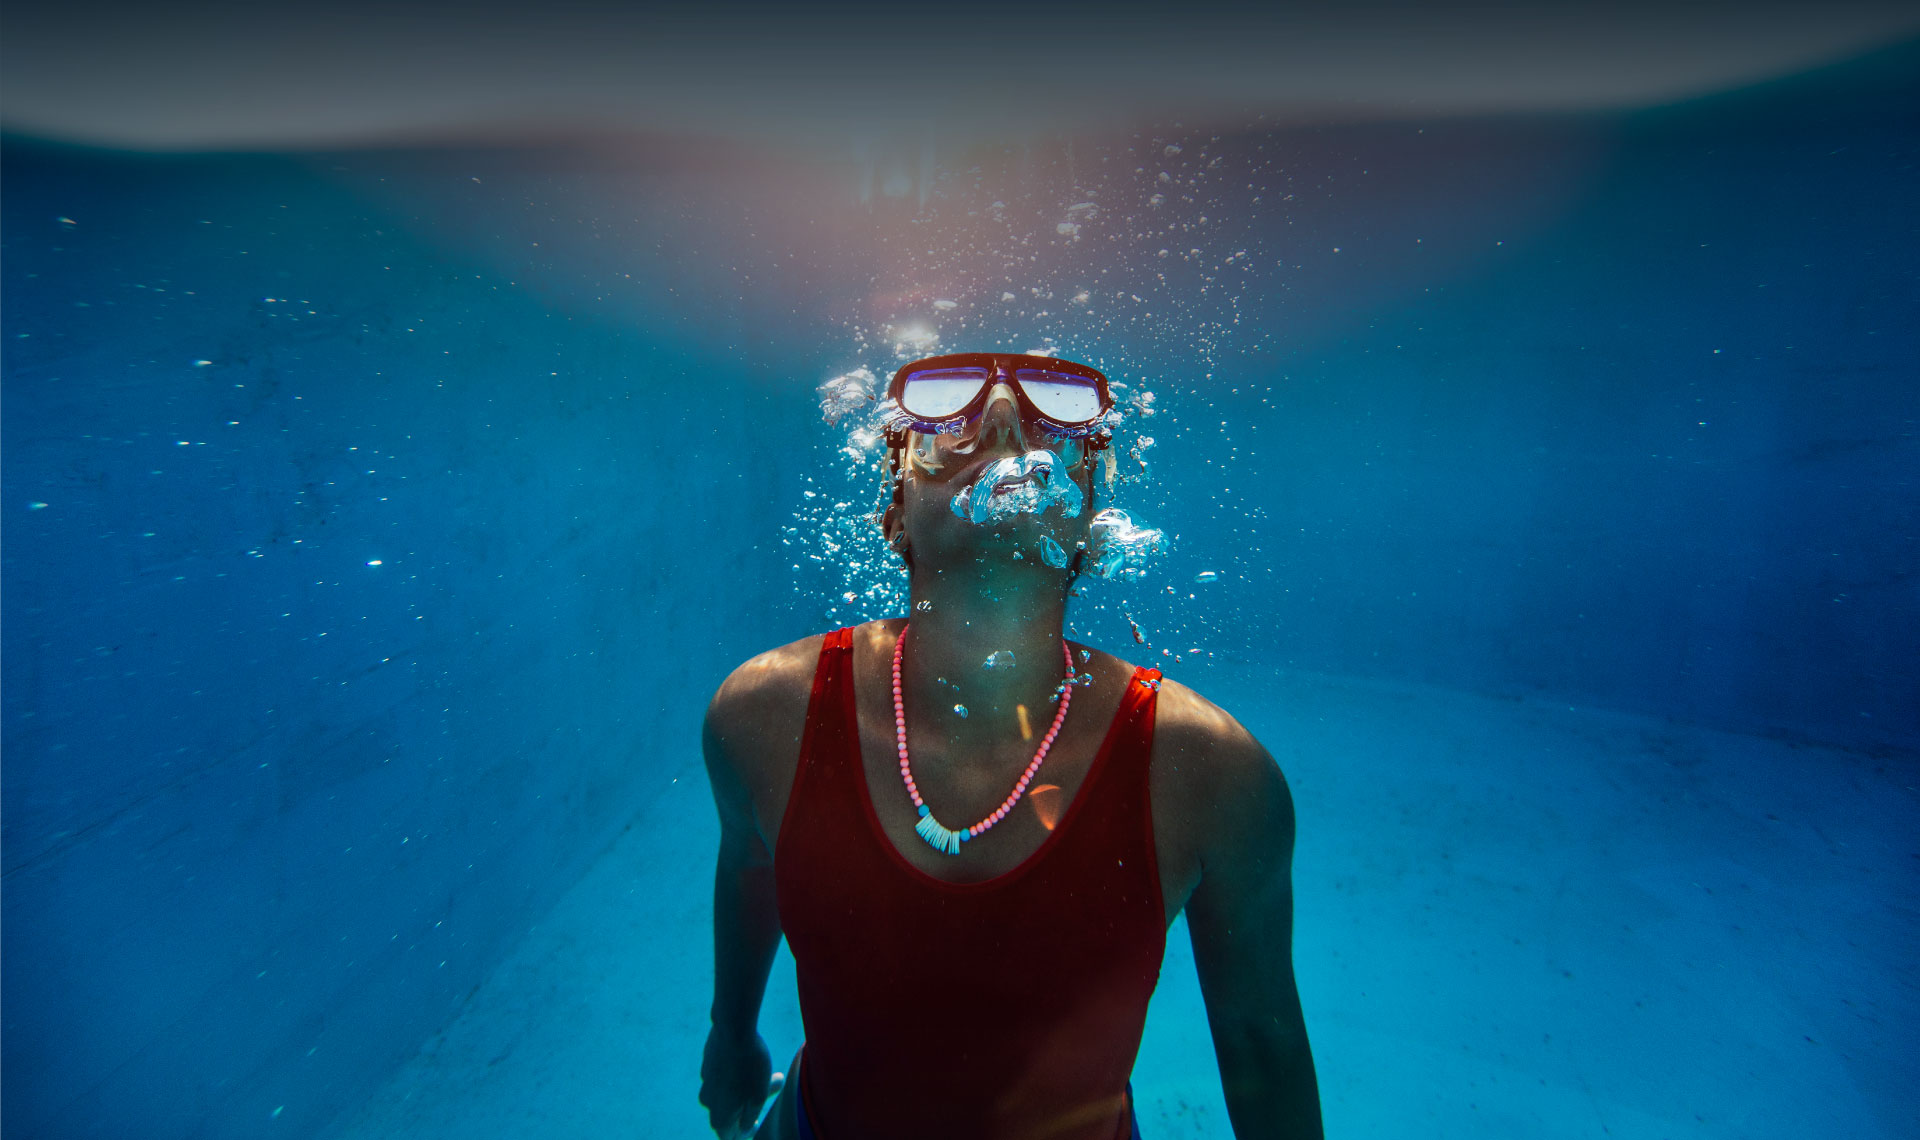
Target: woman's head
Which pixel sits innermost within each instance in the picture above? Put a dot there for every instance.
(1009, 473)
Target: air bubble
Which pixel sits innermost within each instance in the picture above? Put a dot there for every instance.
(845, 393)
(1121, 549)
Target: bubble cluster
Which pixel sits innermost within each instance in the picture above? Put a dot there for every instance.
(847, 392)
(1120, 549)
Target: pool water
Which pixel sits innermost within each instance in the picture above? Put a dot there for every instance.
(1541, 491)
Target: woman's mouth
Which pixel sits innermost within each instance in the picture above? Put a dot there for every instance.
(1009, 483)
(1019, 485)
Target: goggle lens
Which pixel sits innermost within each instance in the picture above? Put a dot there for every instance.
(936, 393)
(1060, 396)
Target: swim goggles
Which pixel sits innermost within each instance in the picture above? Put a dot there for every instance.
(943, 395)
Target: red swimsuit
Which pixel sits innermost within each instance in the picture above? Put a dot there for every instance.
(1010, 1008)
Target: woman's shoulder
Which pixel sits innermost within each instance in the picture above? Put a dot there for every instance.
(1194, 737)
(764, 693)
(776, 684)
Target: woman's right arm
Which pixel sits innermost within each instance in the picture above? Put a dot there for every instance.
(736, 1069)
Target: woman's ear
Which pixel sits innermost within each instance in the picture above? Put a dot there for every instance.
(893, 528)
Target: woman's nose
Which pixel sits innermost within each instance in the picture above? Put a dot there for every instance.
(1000, 419)
(1002, 392)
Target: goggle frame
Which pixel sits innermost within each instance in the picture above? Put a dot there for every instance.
(1004, 367)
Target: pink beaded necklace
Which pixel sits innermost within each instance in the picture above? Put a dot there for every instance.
(937, 835)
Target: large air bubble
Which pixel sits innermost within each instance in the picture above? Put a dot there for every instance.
(847, 392)
(1027, 484)
(1120, 549)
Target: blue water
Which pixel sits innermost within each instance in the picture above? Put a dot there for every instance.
(377, 524)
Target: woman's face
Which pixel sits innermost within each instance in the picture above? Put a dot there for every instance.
(1037, 486)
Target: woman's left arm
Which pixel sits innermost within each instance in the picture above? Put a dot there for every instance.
(1241, 919)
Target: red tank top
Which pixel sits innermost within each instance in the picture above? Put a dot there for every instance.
(1010, 1008)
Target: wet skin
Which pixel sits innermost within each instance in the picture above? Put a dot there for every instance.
(1222, 814)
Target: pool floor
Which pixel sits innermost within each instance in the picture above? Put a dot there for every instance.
(1514, 919)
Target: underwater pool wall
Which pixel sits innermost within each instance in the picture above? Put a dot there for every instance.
(1658, 452)
(354, 600)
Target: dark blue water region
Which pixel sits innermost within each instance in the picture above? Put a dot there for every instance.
(378, 523)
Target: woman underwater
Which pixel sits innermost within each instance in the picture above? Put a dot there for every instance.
(975, 949)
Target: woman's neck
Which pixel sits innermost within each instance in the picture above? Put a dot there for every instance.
(989, 642)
